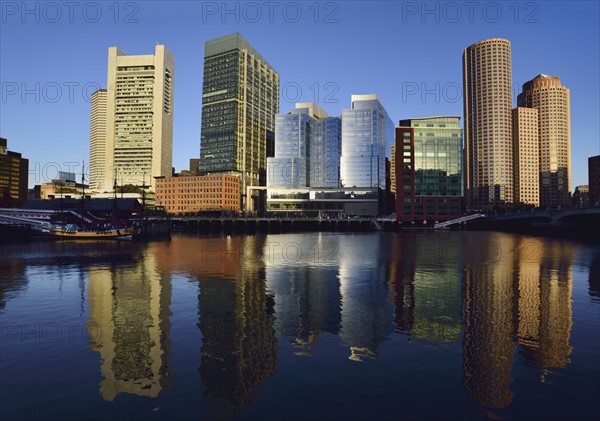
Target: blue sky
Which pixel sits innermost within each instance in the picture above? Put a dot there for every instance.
(53, 55)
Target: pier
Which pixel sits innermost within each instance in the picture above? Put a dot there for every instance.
(282, 225)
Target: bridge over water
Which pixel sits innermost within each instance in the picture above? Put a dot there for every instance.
(567, 222)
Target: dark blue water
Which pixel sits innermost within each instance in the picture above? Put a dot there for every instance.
(427, 326)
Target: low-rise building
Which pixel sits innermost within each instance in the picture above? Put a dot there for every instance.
(581, 197)
(14, 176)
(198, 193)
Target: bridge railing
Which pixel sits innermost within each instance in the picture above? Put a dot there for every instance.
(460, 220)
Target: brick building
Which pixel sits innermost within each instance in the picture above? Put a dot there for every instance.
(192, 194)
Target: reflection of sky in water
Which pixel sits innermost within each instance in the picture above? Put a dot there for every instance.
(220, 323)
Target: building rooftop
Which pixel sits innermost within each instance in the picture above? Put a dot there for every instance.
(234, 41)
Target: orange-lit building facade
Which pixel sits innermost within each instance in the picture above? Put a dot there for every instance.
(192, 194)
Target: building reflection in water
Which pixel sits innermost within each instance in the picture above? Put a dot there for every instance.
(487, 345)
(129, 327)
(523, 288)
(426, 279)
(307, 295)
(12, 280)
(494, 294)
(493, 288)
(239, 347)
(594, 280)
(337, 286)
(545, 315)
(367, 313)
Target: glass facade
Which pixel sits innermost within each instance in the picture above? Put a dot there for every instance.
(240, 98)
(286, 172)
(307, 149)
(288, 168)
(367, 130)
(437, 156)
(324, 202)
(325, 148)
(429, 166)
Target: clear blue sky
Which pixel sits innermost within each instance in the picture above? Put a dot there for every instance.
(54, 49)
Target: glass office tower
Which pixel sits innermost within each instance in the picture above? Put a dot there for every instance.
(288, 168)
(325, 148)
(366, 132)
(240, 98)
(307, 149)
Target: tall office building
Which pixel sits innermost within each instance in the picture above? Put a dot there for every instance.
(240, 98)
(288, 168)
(552, 100)
(429, 169)
(594, 178)
(487, 88)
(14, 176)
(324, 153)
(526, 156)
(307, 149)
(367, 131)
(98, 151)
(393, 169)
(139, 119)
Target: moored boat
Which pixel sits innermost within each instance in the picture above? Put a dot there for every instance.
(70, 231)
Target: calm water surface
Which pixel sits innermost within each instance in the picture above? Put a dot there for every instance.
(450, 325)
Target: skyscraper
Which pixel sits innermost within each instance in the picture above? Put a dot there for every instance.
(367, 131)
(307, 149)
(240, 98)
(526, 156)
(139, 118)
(324, 153)
(594, 178)
(552, 100)
(487, 80)
(98, 151)
(288, 168)
(393, 169)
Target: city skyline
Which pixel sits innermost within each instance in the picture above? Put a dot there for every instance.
(328, 75)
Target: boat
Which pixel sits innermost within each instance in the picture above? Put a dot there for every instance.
(72, 231)
(83, 231)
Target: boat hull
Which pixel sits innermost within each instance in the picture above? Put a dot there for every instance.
(112, 234)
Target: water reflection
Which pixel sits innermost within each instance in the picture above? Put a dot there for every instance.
(594, 278)
(487, 345)
(367, 313)
(239, 348)
(547, 295)
(129, 327)
(500, 301)
(426, 279)
(307, 302)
